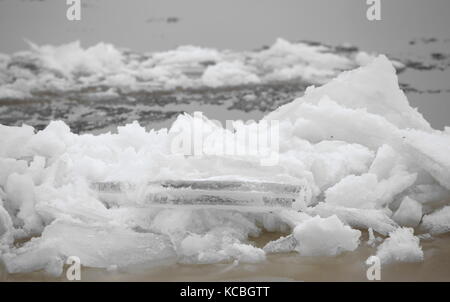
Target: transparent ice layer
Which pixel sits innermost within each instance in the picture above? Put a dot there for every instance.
(201, 193)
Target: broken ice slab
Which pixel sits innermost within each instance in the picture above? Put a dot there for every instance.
(282, 245)
(96, 245)
(200, 193)
(229, 185)
(376, 219)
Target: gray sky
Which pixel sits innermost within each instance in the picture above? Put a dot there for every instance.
(237, 24)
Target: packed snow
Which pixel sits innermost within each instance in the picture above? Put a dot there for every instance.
(364, 158)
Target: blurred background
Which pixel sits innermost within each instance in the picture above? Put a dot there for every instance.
(415, 32)
(151, 25)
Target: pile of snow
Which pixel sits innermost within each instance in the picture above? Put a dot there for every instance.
(69, 67)
(437, 222)
(325, 237)
(70, 59)
(364, 158)
(401, 246)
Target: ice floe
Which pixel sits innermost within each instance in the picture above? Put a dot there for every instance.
(70, 67)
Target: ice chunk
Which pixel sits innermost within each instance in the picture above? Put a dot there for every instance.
(70, 201)
(312, 122)
(385, 160)
(373, 87)
(287, 61)
(401, 246)
(333, 160)
(218, 244)
(430, 151)
(429, 193)
(378, 220)
(409, 213)
(366, 192)
(437, 222)
(202, 193)
(195, 244)
(96, 246)
(14, 140)
(246, 253)
(32, 258)
(353, 192)
(51, 141)
(6, 228)
(292, 218)
(9, 166)
(282, 245)
(325, 237)
(208, 236)
(229, 74)
(71, 58)
(20, 196)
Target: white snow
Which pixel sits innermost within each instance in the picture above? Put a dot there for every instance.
(6, 228)
(437, 222)
(70, 67)
(95, 246)
(401, 246)
(377, 219)
(354, 145)
(373, 88)
(409, 213)
(229, 74)
(325, 237)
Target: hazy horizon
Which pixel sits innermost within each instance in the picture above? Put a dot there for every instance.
(142, 25)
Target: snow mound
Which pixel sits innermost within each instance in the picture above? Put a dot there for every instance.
(401, 246)
(325, 237)
(373, 87)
